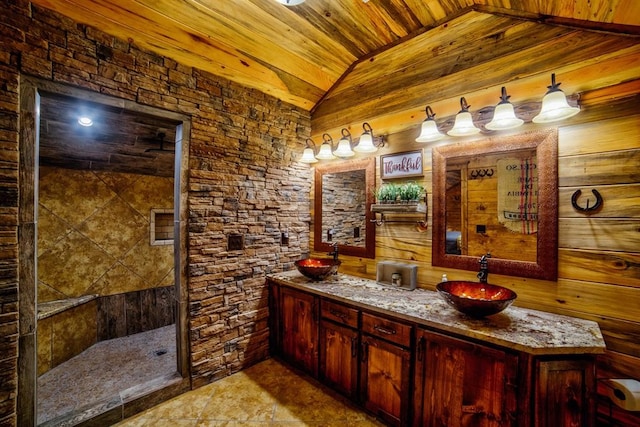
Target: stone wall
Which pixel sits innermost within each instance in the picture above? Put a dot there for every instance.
(242, 180)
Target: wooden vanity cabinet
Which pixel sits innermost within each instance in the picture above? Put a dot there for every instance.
(299, 329)
(385, 368)
(460, 383)
(339, 347)
(432, 378)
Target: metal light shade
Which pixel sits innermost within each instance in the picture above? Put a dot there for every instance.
(429, 131)
(463, 126)
(325, 152)
(504, 117)
(366, 145)
(308, 156)
(344, 149)
(554, 108)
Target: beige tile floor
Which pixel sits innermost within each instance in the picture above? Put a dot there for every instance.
(267, 394)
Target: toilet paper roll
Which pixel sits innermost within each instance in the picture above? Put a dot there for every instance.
(625, 393)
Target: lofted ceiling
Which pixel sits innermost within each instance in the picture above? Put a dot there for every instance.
(382, 61)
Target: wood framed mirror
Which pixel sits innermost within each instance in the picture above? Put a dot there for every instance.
(499, 196)
(342, 204)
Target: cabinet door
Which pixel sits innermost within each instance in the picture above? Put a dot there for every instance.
(565, 392)
(339, 357)
(459, 383)
(384, 380)
(299, 323)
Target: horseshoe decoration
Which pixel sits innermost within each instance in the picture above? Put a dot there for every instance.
(481, 173)
(587, 209)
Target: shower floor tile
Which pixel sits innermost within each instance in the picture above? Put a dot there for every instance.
(103, 371)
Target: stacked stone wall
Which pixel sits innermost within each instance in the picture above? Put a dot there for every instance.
(242, 180)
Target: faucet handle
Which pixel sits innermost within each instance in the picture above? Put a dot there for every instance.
(334, 250)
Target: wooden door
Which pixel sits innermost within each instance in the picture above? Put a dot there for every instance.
(339, 357)
(462, 384)
(299, 322)
(384, 380)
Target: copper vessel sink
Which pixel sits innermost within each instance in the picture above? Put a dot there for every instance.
(474, 298)
(317, 268)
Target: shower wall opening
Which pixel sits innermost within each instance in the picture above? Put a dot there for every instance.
(108, 296)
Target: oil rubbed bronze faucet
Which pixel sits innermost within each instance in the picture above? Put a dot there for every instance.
(334, 251)
(483, 274)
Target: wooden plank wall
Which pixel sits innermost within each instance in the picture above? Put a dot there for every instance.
(598, 254)
(134, 312)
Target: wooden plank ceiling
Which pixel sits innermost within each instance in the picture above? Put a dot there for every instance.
(382, 61)
(120, 140)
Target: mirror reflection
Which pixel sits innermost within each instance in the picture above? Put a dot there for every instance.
(497, 196)
(492, 205)
(344, 208)
(343, 198)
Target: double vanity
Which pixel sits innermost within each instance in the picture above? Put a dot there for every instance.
(408, 358)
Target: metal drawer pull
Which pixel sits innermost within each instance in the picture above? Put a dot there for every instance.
(338, 314)
(384, 330)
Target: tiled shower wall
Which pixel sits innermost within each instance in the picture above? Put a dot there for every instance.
(94, 233)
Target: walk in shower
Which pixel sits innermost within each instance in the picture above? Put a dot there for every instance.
(107, 283)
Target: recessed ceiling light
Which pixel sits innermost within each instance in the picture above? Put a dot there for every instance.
(290, 2)
(85, 121)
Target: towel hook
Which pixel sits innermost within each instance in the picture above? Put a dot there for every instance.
(587, 209)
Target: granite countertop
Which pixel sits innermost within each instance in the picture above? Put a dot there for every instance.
(521, 329)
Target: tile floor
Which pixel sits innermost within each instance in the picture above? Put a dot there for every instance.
(267, 394)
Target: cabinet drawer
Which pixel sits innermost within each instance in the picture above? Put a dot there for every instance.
(339, 313)
(389, 330)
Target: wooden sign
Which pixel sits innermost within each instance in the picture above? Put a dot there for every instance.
(401, 165)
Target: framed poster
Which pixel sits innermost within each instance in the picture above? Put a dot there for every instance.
(401, 165)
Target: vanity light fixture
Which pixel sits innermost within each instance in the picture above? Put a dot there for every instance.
(366, 143)
(290, 2)
(463, 125)
(344, 145)
(309, 153)
(554, 105)
(504, 117)
(326, 149)
(429, 130)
